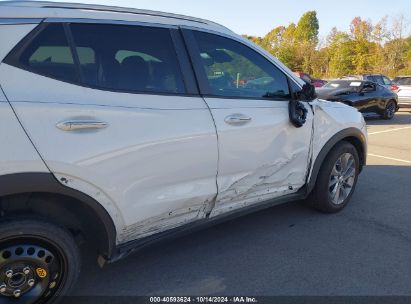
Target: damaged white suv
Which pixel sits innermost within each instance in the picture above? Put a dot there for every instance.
(121, 126)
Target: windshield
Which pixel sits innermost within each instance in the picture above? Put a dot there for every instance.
(344, 84)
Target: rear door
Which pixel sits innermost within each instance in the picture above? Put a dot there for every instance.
(262, 155)
(116, 114)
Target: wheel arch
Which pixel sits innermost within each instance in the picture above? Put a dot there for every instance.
(351, 135)
(396, 103)
(42, 196)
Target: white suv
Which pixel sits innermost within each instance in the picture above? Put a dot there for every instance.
(122, 126)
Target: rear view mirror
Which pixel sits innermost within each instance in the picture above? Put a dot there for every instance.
(220, 56)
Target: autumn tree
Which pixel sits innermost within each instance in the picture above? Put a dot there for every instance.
(366, 48)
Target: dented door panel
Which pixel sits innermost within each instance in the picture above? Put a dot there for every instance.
(262, 159)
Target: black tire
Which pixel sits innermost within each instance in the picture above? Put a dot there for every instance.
(390, 109)
(47, 250)
(320, 197)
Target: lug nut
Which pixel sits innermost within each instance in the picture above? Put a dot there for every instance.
(17, 293)
(3, 288)
(9, 273)
(31, 282)
(26, 270)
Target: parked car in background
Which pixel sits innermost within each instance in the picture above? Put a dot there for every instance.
(377, 78)
(366, 96)
(318, 83)
(403, 90)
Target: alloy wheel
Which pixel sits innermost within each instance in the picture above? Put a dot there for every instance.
(342, 178)
(390, 110)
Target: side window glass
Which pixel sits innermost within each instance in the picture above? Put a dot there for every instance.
(386, 81)
(235, 70)
(49, 54)
(379, 80)
(128, 58)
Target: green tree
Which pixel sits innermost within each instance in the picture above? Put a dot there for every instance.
(307, 28)
(340, 52)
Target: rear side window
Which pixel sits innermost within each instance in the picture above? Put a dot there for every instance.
(128, 58)
(378, 79)
(49, 54)
(386, 80)
(113, 57)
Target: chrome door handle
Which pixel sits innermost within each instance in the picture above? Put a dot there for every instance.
(237, 119)
(75, 125)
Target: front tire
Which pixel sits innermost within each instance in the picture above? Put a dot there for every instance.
(39, 261)
(337, 179)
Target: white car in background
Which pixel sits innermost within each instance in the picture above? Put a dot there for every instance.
(121, 126)
(403, 90)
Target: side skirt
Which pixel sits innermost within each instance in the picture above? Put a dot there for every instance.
(124, 250)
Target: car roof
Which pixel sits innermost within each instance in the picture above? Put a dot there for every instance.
(22, 12)
(48, 9)
(351, 77)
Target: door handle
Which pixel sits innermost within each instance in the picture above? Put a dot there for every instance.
(237, 119)
(75, 125)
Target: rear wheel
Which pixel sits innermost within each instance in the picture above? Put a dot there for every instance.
(390, 110)
(38, 261)
(336, 180)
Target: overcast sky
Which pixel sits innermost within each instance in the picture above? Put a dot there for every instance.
(258, 17)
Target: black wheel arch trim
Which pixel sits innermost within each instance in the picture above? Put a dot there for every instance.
(21, 183)
(346, 134)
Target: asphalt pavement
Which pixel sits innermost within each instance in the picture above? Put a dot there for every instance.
(289, 249)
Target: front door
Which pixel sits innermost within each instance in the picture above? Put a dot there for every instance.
(261, 154)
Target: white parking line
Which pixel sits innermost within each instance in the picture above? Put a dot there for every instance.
(391, 130)
(390, 158)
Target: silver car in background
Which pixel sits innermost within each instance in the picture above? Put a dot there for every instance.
(404, 91)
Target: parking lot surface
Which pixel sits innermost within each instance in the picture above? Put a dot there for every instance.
(289, 249)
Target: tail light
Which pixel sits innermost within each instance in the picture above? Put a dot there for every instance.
(394, 88)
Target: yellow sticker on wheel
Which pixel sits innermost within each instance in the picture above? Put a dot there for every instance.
(41, 272)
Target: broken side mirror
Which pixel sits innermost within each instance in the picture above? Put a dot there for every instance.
(298, 113)
(307, 93)
(297, 110)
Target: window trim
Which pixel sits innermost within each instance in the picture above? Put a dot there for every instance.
(13, 57)
(184, 62)
(73, 49)
(109, 22)
(205, 89)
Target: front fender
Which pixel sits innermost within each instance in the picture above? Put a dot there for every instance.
(352, 135)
